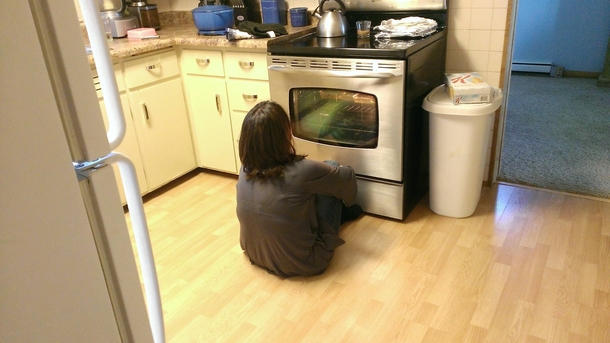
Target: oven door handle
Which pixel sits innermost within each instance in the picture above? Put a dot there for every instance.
(346, 74)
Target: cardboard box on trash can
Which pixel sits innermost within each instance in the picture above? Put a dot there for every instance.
(468, 88)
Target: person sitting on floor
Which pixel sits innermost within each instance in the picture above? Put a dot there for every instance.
(289, 208)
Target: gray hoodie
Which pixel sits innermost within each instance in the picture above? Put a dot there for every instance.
(279, 228)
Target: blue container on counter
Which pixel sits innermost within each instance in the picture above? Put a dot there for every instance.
(298, 16)
(213, 18)
(274, 11)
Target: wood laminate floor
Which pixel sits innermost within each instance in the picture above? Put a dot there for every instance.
(528, 266)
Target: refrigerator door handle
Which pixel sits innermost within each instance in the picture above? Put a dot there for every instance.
(140, 232)
(142, 238)
(103, 64)
(116, 121)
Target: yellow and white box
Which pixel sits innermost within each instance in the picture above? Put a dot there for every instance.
(468, 88)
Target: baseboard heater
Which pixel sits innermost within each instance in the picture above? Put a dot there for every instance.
(532, 67)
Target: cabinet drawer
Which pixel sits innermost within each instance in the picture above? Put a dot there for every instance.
(202, 62)
(152, 68)
(245, 94)
(118, 75)
(243, 65)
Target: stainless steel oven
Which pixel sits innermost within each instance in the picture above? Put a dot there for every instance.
(358, 102)
(348, 110)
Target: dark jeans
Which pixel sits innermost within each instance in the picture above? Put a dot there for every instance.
(328, 207)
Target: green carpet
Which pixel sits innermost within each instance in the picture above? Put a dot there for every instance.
(557, 135)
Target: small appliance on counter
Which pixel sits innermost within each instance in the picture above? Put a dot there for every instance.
(119, 25)
(147, 14)
(240, 12)
(115, 19)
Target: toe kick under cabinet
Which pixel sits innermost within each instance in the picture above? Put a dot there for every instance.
(222, 86)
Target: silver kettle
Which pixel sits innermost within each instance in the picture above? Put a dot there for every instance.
(332, 23)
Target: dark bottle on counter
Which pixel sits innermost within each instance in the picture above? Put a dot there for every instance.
(147, 14)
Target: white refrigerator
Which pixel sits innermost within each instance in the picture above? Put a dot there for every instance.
(67, 267)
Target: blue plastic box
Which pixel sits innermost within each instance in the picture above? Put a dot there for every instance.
(274, 11)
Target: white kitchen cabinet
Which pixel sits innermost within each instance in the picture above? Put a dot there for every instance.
(243, 95)
(129, 145)
(247, 84)
(151, 68)
(209, 109)
(160, 117)
(211, 122)
(202, 62)
(246, 65)
(222, 86)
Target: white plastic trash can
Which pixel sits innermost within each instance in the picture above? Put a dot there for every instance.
(459, 136)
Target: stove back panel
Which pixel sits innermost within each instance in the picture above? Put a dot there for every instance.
(408, 5)
(376, 17)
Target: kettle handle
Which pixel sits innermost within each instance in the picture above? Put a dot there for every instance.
(321, 7)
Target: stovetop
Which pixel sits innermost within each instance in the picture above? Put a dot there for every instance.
(354, 47)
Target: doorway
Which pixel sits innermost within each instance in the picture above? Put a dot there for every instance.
(552, 130)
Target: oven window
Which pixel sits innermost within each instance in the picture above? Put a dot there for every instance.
(335, 117)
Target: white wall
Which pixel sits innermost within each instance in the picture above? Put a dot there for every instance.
(534, 31)
(476, 37)
(476, 41)
(572, 34)
(166, 5)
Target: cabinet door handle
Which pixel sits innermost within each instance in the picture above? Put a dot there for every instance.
(145, 111)
(249, 96)
(205, 61)
(153, 66)
(246, 64)
(218, 104)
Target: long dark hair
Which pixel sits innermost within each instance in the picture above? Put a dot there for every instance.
(265, 143)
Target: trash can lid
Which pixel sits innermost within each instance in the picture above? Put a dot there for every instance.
(438, 101)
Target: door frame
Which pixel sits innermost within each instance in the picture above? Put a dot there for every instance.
(500, 119)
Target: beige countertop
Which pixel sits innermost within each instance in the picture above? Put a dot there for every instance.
(186, 35)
